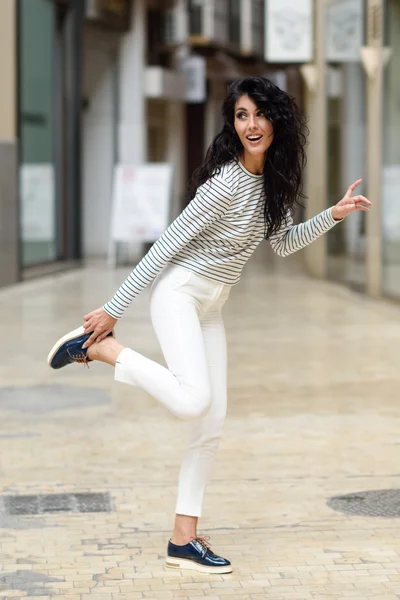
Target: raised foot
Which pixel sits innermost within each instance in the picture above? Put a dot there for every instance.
(68, 349)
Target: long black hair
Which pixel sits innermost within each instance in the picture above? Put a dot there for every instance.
(285, 158)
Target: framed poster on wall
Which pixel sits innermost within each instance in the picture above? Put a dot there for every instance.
(289, 31)
(344, 30)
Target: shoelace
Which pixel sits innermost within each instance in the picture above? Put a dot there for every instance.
(204, 543)
(79, 358)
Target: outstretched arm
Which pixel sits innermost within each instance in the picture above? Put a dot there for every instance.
(291, 238)
(210, 203)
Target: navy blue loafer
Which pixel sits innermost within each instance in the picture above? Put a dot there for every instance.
(198, 556)
(69, 349)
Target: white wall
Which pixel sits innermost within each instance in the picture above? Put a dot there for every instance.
(99, 127)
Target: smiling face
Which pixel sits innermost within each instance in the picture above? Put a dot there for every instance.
(255, 132)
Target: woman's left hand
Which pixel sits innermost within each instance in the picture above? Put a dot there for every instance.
(350, 203)
(99, 324)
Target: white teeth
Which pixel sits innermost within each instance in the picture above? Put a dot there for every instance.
(257, 137)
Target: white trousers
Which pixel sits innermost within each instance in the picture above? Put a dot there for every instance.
(186, 316)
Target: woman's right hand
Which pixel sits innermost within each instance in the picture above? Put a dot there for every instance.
(350, 203)
(100, 324)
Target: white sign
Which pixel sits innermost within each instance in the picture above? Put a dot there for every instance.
(289, 31)
(37, 202)
(344, 30)
(141, 202)
(194, 69)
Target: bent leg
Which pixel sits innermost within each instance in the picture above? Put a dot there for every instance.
(183, 388)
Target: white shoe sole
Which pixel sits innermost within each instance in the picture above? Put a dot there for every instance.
(69, 336)
(184, 564)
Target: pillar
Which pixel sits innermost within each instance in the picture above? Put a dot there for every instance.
(315, 78)
(9, 213)
(373, 60)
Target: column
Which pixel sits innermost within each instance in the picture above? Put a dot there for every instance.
(372, 55)
(132, 121)
(315, 77)
(9, 213)
(132, 130)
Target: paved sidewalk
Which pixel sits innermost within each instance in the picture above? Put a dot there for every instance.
(314, 413)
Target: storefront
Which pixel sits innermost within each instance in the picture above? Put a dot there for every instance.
(57, 40)
(49, 98)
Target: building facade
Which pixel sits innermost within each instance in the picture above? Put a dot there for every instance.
(353, 99)
(89, 85)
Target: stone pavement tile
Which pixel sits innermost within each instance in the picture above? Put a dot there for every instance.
(309, 569)
(165, 586)
(208, 597)
(158, 594)
(141, 587)
(369, 581)
(297, 596)
(196, 586)
(105, 591)
(186, 593)
(60, 585)
(130, 596)
(284, 582)
(223, 584)
(279, 570)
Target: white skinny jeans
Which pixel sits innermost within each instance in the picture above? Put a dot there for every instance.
(186, 316)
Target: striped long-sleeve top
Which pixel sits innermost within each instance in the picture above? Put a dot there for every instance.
(217, 233)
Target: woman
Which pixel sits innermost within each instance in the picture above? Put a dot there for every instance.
(245, 191)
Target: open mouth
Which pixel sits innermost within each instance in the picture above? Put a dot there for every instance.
(254, 138)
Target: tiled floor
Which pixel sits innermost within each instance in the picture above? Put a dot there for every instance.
(314, 412)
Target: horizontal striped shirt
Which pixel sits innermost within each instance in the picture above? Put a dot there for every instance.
(217, 233)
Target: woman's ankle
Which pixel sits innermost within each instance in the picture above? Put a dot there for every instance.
(106, 351)
(180, 539)
(185, 529)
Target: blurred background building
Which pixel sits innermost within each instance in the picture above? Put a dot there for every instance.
(87, 85)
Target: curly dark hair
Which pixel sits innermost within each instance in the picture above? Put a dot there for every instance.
(285, 158)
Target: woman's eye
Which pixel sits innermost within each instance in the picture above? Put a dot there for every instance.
(240, 115)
